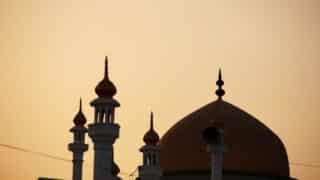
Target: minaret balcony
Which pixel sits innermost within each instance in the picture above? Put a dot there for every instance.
(78, 147)
(104, 132)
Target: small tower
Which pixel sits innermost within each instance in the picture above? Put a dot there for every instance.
(78, 147)
(104, 130)
(150, 170)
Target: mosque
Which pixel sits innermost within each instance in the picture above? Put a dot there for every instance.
(219, 141)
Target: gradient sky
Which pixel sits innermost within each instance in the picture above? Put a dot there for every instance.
(164, 56)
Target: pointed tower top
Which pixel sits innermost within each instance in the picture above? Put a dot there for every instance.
(106, 88)
(80, 105)
(220, 92)
(151, 137)
(106, 73)
(80, 119)
(151, 120)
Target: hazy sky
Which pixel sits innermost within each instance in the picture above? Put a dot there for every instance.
(164, 56)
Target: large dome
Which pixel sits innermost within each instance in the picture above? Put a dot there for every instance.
(251, 147)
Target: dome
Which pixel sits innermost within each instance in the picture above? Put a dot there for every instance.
(106, 88)
(251, 147)
(151, 137)
(80, 119)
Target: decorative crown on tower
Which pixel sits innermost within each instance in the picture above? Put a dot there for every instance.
(151, 137)
(106, 88)
(80, 119)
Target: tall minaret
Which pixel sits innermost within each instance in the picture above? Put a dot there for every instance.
(78, 147)
(104, 131)
(150, 169)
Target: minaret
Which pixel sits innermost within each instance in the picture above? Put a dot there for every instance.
(104, 130)
(150, 170)
(78, 147)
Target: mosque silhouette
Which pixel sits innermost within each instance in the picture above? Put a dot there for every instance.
(219, 141)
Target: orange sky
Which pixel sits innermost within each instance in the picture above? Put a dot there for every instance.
(164, 55)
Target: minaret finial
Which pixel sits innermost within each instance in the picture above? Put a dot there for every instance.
(106, 68)
(151, 137)
(220, 92)
(80, 119)
(151, 120)
(105, 88)
(80, 105)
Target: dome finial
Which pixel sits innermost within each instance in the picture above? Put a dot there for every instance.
(220, 92)
(151, 120)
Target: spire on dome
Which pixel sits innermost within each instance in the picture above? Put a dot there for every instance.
(106, 88)
(220, 92)
(151, 137)
(80, 119)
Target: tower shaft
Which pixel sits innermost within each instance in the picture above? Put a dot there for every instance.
(78, 147)
(77, 166)
(103, 137)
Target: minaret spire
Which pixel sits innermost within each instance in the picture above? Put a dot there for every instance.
(105, 87)
(220, 92)
(80, 105)
(106, 72)
(151, 137)
(80, 119)
(151, 120)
